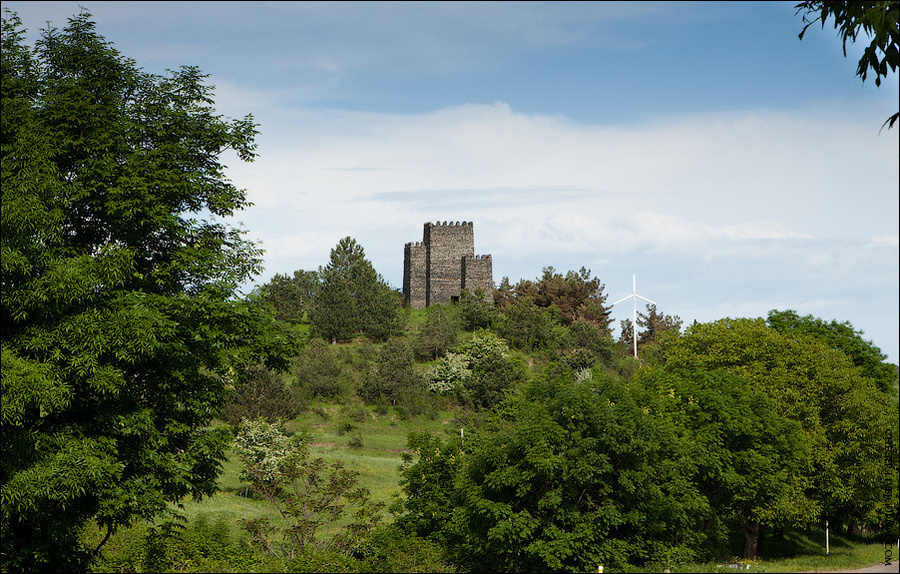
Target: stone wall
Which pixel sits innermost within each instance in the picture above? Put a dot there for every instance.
(443, 264)
(478, 273)
(447, 244)
(414, 285)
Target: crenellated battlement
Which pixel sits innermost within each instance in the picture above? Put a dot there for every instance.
(437, 269)
(450, 224)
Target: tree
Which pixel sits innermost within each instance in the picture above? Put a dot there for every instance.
(568, 476)
(526, 325)
(494, 372)
(319, 372)
(439, 332)
(476, 311)
(576, 295)
(626, 337)
(849, 427)
(396, 379)
(261, 393)
(880, 21)
(291, 297)
(750, 459)
(842, 337)
(353, 298)
(120, 330)
(654, 324)
(504, 294)
(322, 510)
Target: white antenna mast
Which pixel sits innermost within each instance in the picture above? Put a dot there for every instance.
(634, 297)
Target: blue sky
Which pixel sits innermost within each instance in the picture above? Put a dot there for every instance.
(701, 146)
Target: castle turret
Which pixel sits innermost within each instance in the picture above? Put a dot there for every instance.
(443, 264)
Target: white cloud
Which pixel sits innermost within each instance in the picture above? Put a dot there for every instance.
(538, 184)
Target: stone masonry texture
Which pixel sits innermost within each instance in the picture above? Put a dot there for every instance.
(439, 268)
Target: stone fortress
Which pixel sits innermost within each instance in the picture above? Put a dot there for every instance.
(444, 264)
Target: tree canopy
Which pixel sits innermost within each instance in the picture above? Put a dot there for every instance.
(353, 298)
(848, 425)
(119, 326)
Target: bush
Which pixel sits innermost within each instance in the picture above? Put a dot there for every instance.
(395, 379)
(319, 371)
(260, 392)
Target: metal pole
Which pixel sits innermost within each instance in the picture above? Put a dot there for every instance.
(826, 537)
(634, 313)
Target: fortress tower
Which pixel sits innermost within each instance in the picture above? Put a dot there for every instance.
(439, 268)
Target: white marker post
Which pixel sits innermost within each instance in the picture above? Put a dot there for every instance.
(634, 297)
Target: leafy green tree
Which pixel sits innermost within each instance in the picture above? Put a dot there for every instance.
(526, 325)
(576, 295)
(657, 328)
(626, 337)
(476, 312)
(427, 478)
(842, 337)
(568, 476)
(261, 393)
(450, 375)
(439, 332)
(504, 294)
(879, 21)
(291, 297)
(120, 330)
(493, 371)
(655, 324)
(319, 371)
(583, 334)
(849, 426)
(751, 462)
(321, 508)
(396, 379)
(396, 550)
(352, 298)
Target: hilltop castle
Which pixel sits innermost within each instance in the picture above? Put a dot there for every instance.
(439, 268)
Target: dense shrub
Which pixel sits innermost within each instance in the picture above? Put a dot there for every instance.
(260, 392)
(320, 372)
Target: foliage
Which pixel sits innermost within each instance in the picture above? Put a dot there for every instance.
(396, 379)
(323, 509)
(526, 325)
(879, 21)
(475, 310)
(291, 297)
(201, 545)
(493, 371)
(626, 337)
(261, 393)
(751, 461)
(119, 327)
(439, 332)
(353, 299)
(319, 371)
(450, 374)
(842, 337)
(428, 480)
(569, 476)
(655, 325)
(394, 550)
(586, 335)
(504, 293)
(849, 427)
(576, 295)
